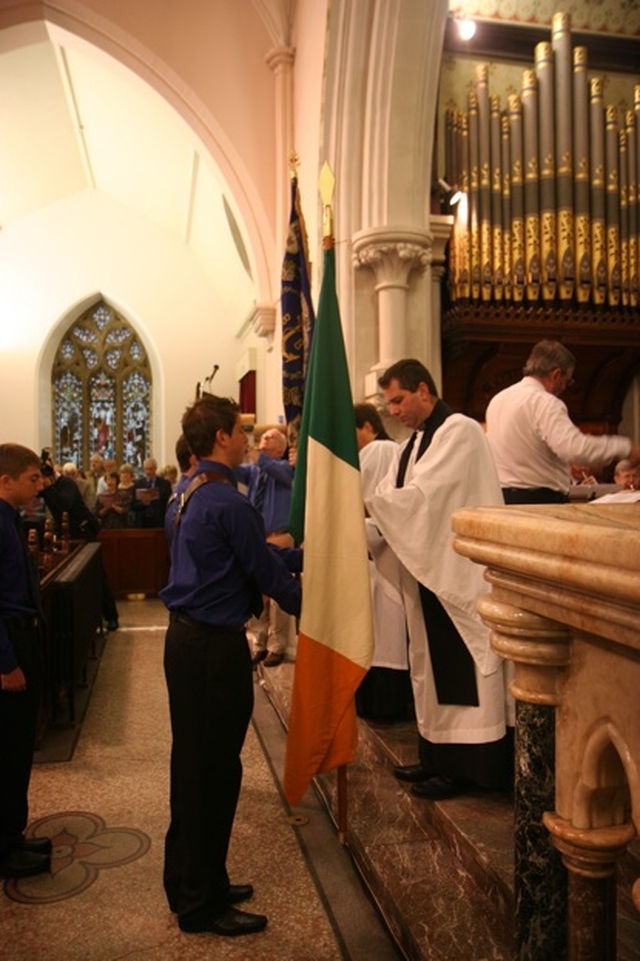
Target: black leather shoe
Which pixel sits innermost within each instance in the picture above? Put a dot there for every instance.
(273, 659)
(37, 845)
(24, 864)
(239, 892)
(231, 924)
(235, 894)
(441, 788)
(411, 773)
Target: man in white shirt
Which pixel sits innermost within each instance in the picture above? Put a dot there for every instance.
(532, 437)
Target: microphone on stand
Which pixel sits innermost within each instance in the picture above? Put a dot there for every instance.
(207, 380)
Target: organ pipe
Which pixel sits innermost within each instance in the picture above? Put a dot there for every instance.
(598, 219)
(632, 203)
(517, 197)
(612, 206)
(531, 184)
(581, 175)
(561, 46)
(552, 185)
(548, 235)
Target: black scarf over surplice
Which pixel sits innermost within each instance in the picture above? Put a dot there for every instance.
(453, 666)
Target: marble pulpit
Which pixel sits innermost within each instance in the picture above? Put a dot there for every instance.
(563, 605)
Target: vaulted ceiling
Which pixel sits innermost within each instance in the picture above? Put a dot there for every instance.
(73, 119)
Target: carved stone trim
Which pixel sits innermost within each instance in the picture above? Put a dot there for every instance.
(591, 853)
(539, 648)
(279, 57)
(392, 253)
(263, 320)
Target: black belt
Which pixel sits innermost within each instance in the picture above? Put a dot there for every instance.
(29, 622)
(529, 494)
(183, 618)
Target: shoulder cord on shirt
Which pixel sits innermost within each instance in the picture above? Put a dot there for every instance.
(206, 477)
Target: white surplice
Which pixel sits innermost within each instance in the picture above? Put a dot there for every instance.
(455, 471)
(389, 625)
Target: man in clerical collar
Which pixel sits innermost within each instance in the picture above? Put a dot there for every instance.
(457, 679)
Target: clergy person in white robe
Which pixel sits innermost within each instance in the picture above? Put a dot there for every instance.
(385, 692)
(458, 680)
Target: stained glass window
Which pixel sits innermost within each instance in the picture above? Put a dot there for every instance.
(101, 387)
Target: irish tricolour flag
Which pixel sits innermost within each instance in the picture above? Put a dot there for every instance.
(335, 639)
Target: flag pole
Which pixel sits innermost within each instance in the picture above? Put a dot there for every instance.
(326, 185)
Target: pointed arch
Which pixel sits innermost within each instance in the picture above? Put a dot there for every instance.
(609, 783)
(101, 390)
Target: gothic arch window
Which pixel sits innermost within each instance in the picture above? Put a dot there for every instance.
(101, 387)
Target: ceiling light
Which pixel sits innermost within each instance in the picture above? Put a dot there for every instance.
(452, 195)
(466, 28)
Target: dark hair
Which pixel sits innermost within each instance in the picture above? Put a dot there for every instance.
(15, 459)
(367, 414)
(548, 355)
(409, 373)
(46, 463)
(183, 454)
(202, 421)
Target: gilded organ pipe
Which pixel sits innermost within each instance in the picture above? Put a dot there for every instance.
(598, 206)
(581, 176)
(552, 185)
(548, 234)
(561, 46)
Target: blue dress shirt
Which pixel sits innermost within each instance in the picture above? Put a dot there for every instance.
(220, 563)
(15, 595)
(278, 478)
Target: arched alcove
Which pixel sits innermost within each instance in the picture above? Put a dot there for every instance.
(608, 789)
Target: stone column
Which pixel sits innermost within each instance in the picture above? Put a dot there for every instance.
(392, 254)
(539, 649)
(281, 60)
(591, 858)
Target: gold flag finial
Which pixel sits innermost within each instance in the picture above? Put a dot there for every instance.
(326, 184)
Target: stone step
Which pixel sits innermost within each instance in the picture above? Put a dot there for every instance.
(438, 872)
(441, 873)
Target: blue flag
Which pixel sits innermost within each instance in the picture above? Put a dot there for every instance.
(297, 317)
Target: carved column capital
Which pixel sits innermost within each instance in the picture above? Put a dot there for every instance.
(538, 647)
(392, 253)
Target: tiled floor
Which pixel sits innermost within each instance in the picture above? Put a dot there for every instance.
(441, 873)
(107, 809)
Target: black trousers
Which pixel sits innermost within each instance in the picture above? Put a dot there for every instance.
(533, 495)
(210, 682)
(18, 722)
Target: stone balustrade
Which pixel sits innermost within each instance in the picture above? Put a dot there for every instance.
(564, 607)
